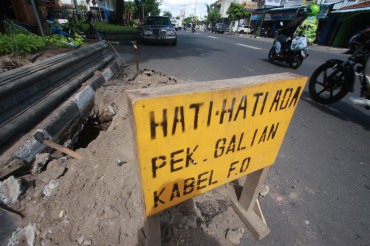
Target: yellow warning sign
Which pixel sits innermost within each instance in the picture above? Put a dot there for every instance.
(192, 138)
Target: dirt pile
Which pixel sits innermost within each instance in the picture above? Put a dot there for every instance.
(98, 200)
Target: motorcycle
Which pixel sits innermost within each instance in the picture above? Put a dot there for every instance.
(293, 51)
(193, 29)
(331, 81)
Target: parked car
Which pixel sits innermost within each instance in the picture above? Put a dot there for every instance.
(159, 29)
(219, 28)
(244, 29)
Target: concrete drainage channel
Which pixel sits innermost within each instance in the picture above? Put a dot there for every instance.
(60, 90)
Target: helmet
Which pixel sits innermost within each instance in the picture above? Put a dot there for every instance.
(313, 10)
(302, 12)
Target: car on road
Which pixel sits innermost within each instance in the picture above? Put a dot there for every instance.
(219, 28)
(159, 29)
(244, 29)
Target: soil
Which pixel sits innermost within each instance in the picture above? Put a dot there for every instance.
(8, 62)
(98, 200)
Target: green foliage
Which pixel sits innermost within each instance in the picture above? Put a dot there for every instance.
(214, 16)
(167, 13)
(187, 20)
(20, 43)
(65, 42)
(105, 27)
(236, 11)
(208, 8)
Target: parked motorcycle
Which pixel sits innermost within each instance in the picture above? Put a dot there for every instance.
(293, 51)
(331, 81)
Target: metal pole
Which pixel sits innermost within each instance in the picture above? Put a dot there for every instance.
(37, 18)
(77, 10)
(195, 9)
(263, 17)
(136, 60)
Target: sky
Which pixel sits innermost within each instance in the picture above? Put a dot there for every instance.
(190, 7)
(175, 6)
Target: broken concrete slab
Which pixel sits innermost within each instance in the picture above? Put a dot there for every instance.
(25, 235)
(49, 188)
(10, 190)
(55, 171)
(40, 162)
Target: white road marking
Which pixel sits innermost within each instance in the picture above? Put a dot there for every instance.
(248, 46)
(212, 37)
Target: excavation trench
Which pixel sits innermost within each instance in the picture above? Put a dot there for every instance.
(99, 119)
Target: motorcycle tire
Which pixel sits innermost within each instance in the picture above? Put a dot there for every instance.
(296, 62)
(329, 82)
(272, 55)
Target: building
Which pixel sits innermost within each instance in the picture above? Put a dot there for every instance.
(338, 19)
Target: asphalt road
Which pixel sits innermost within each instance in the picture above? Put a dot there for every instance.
(320, 183)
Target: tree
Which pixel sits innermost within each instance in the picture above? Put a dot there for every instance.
(168, 14)
(236, 11)
(120, 8)
(214, 16)
(208, 8)
(206, 21)
(187, 20)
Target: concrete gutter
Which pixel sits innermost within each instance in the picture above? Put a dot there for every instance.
(77, 108)
(65, 122)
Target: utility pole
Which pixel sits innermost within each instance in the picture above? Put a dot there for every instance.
(36, 13)
(195, 10)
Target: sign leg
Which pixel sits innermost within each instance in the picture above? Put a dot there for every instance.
(152, 230)
(248, 208)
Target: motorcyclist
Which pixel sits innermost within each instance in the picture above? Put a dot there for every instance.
(305, 25)
(364, 39)
(309, 26)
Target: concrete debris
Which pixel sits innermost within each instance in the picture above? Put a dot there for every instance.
(111, 109)
(106, 117)
(87, 242)
(40, 162)
(51, 173)
(10, 190)
(210, 209)
(234, 235)
(83, 241)
(80, 240)
(23, 236)
(148, 73)
(61, 214)
(264, 190)
(49, 188)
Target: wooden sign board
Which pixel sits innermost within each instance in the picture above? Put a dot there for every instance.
(192, 138)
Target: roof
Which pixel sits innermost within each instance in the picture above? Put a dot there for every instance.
(285, 8)
(358, 6)
(350, 10)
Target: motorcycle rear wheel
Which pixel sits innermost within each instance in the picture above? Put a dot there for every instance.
(272, 54)
(329, 82)
(297, 61)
